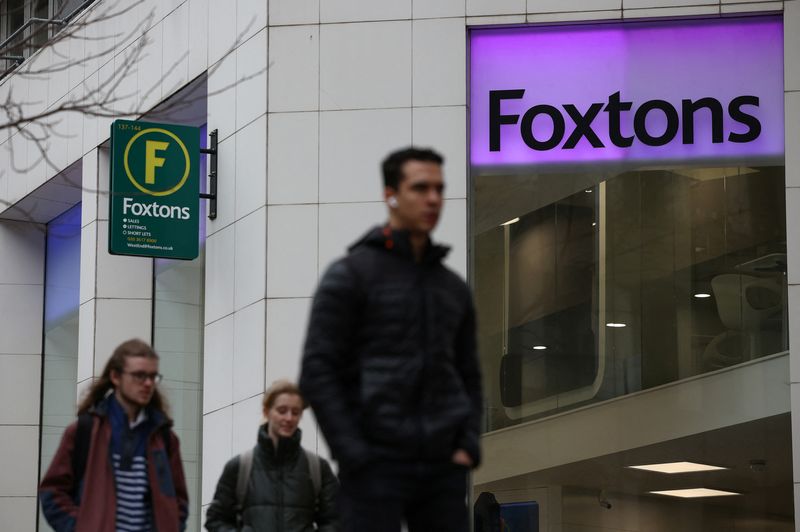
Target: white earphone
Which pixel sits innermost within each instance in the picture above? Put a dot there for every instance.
(392, 202)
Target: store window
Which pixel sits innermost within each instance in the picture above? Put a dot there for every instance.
(628, 226)
(628, 230)
(648, 277)
(60, 357)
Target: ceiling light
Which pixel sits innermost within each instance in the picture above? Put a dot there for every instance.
(616, 325)
(515, 220)
(539, 347)
(594, 223)
(702, 295)
(588, 190)
(677, 467)
(694, 493)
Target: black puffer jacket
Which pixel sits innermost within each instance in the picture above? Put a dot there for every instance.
(280, 494)
(390, 364)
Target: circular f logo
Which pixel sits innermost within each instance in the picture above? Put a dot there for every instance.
(156, 162)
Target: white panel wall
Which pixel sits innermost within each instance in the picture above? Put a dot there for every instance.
(236, 248)
(21, 308)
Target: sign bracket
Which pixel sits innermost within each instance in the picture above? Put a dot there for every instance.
(212, 175)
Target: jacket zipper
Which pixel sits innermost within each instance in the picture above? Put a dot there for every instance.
(280, 496)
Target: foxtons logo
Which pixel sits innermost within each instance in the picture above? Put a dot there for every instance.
(620, 114)
(166, 162)
(154, 210)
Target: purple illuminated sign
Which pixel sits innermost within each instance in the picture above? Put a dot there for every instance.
(642, 92)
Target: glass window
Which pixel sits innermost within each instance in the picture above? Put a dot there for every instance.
(623, 282)
(15, 13)
(40, 32)
(629, 271)
(62, 8)
(60, 360)
(178, 339)
(13, 17)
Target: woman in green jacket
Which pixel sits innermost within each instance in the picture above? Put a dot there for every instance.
(283, 487)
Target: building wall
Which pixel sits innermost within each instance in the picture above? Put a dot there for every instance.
(21, 311)
(307, 95)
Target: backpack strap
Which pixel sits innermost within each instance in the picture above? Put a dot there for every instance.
(243, 478)
(80, 453)
(314, 471)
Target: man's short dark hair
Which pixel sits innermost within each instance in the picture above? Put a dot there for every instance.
(393, 164)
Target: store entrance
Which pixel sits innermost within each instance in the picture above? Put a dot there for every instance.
(607, 494)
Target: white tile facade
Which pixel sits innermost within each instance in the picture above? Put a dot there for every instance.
(327, 88)
(352, 145)
(218, 366)
(293, 152)
(251, 77)
(358, 10)
(439, 56)
(294, 68)
(292, 262)
(250, 259)
(365, 65)
(21, 299)
(251, 167)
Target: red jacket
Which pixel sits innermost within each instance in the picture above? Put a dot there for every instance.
(97, 506)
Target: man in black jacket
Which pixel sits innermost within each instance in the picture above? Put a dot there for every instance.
(390, 365)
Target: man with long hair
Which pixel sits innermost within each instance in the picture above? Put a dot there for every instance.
(118, 467)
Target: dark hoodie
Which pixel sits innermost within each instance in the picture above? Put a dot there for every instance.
(390, 364)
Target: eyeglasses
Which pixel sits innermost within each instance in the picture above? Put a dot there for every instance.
(142, 376)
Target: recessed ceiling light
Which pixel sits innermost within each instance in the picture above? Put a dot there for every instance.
(594, 223)
(588, 190)
(515, 220)
(539, 347)
(702, 295)
(694, 493)
(677, 467)
(616, 325)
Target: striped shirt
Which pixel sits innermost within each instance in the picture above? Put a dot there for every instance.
(133, 497)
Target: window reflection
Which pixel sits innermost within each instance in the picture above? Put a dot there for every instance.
(61, 303)
(605, 494)
(592, 287)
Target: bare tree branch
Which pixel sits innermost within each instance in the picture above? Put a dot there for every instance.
(25, 119)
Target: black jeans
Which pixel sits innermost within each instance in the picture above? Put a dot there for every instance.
(428, 497)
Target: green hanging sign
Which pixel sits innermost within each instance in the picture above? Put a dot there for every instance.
(154, 205)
